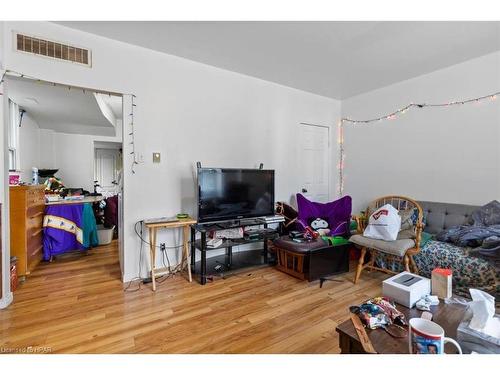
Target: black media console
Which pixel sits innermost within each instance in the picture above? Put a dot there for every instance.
(228, 244)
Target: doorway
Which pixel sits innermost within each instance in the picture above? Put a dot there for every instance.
(314, 162)
(51, 138)
(108, 167)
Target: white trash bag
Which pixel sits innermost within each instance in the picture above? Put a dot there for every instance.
(383, 224)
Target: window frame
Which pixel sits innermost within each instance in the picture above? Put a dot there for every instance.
(13, 135)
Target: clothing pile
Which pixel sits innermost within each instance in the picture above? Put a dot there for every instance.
(483, 233)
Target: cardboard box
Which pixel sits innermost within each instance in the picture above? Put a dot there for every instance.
(406, 288)
(441, 282)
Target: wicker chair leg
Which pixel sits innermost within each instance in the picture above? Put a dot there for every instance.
(361, 262)
(406, 261)
(370, 265)
(414, 265)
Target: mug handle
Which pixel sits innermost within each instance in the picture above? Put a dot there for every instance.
(448, 339)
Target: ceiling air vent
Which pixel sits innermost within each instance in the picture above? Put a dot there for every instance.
(51, 49)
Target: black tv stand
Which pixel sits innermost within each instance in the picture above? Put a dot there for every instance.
(228, 244)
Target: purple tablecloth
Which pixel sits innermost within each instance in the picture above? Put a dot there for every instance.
(62, 229)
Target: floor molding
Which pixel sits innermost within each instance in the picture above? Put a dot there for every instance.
(5, 302)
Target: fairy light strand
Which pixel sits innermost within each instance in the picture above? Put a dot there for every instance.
(84, 90)
(392, 116)
(132, 134)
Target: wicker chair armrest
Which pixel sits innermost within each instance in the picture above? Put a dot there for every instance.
(360, 223)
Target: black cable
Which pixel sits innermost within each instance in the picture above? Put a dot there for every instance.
(149, 244)
(138, 278)
(162, 278)
(163, 259)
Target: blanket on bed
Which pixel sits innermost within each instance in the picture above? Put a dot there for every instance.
(468, 271)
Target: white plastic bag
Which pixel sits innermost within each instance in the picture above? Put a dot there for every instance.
(383, 224)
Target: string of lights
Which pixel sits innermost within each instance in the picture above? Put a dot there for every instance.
(132, 134)
(84, 90)
(392, 116)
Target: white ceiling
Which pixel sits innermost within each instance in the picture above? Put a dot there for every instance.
(114, 103)
(334, 59)
(62, 109)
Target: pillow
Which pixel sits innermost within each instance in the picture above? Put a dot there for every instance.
(409, 218)
(336, 213)
(383, 224)
(424, 238)
(406, 234)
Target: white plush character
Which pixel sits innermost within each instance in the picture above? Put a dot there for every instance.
(321, 226)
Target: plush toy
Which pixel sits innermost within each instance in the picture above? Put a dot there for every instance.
(320, 226)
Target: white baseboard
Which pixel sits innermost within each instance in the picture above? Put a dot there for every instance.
(6, 300)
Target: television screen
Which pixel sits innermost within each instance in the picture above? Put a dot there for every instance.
(225, 194)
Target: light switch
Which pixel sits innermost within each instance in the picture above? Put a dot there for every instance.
(156, 157)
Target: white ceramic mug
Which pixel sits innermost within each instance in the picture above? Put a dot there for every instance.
(427, 337)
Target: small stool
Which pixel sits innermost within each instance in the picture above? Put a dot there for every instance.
(311, 260)
(293, 257)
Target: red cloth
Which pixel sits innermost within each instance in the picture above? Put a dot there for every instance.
(111, 212)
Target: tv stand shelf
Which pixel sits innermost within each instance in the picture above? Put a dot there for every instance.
(237, 242)
(228, 244)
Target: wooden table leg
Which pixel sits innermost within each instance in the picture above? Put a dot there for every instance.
(185, 238)
(152, 249)
(344, 344)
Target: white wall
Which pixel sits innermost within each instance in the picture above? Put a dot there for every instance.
(72, 154)
(6, 295)
(436, 154)
(29, 147)
(187, 111)
(74, 157)
(47, 154)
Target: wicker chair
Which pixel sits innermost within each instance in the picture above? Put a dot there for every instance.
(402, 248)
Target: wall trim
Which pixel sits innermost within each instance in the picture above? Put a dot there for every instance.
(5, 302)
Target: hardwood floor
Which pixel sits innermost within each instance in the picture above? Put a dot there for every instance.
(77, 305)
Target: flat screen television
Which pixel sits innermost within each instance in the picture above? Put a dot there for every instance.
(229, 194)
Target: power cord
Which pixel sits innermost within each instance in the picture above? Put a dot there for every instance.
(138, 278)
(148, 243)
(163, 249)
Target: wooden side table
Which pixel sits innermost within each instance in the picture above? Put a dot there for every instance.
(153, 230)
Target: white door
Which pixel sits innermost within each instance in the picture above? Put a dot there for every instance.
(107, 162)
(314, 154)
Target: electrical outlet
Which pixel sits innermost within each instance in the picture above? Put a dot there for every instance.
(162, 247)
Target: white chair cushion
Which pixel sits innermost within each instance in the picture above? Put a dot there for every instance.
(397, 247)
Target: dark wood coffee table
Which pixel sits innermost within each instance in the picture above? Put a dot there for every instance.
(447, 316)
